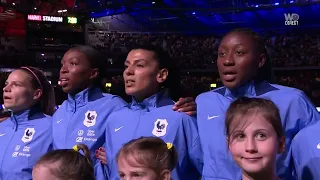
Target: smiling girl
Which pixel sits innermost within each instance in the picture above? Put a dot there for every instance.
(255, 137)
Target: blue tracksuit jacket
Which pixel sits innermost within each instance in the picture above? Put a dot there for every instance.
(154, 117)
(82, 119)
(296, 113)
(305, 152)
(24, 137)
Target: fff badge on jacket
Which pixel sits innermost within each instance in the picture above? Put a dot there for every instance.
(27, 137)
(90, 119)
(160, 127)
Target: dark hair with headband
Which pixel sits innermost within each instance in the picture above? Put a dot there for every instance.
(72, 165)
(151, 152)
(39, 81)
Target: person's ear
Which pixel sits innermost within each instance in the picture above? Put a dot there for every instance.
(262, 60)
(37, 94)
(165, 175)
(162, 75)
(94, 73)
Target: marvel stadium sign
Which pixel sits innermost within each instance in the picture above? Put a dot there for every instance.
(59, 19)
(52, 19)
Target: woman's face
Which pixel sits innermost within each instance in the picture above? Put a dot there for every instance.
(238, 59)
(76, 73)
(18, 93)
(142, 75)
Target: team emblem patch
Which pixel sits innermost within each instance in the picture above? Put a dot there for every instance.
(28, 135)
(160, 127)
(90, 118)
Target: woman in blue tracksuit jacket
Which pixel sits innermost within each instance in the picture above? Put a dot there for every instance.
(151, 80)
(245, 70)
(82, 117)
(305, 153)
(26, 135)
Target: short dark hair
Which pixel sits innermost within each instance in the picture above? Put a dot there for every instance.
(265, 72)
(172, 83)
(96, 60)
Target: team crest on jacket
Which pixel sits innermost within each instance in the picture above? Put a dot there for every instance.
(90, 118)
(160, 127)
(28, 135)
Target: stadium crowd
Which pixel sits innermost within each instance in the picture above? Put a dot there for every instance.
(195, 144)
(199, 51)
(289, 52)
(193, 85)
(189, 51)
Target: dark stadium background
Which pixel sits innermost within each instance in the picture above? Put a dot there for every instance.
(188, 29)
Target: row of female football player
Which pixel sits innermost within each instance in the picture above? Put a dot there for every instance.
(250, 140)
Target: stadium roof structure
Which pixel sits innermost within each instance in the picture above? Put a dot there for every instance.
(174, 15)
(214, 15)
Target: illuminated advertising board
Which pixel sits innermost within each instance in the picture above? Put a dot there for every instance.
(57, 19)
(32, 17)
(52, 19)
(72, 20)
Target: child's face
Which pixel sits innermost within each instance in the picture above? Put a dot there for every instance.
(131, 170)
(254, 146)
(41, 172)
